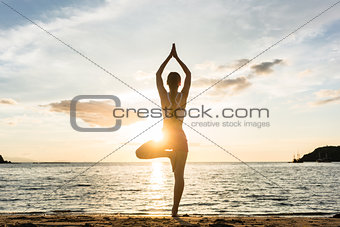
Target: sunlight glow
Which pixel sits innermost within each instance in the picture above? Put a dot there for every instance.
(156, 189)
(157, 176)
(157, 136)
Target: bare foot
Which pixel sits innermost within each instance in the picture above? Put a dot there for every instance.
(174, 212)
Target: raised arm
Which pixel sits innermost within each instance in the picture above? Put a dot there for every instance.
(187, 81)
(159, 80)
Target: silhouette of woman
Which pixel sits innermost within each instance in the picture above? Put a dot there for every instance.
(174, 144)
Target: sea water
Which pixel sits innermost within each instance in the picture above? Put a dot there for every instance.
(147, 188)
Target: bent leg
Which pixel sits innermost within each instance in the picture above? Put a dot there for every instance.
(152, 149)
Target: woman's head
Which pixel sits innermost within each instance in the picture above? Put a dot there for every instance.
(174, 80)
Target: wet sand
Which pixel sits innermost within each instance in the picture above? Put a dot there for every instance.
(134, 220)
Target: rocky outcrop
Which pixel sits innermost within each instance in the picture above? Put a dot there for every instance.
(323, 154)
(3, 161)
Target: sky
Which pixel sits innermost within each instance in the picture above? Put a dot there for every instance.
(298, 80)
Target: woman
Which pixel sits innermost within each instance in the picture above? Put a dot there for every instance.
(174, 144)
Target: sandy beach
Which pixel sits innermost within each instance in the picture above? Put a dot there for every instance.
(127, 220)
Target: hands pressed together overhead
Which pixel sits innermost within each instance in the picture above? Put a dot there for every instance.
(159, 80)
(173, 52)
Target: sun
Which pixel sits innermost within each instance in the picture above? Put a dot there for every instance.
(157, 136)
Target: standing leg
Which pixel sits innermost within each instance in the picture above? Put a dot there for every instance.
(181, 157)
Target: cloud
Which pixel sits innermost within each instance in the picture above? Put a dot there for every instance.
(228, 86)
(94, 113)
(15, 120)
(325, 101)
(210, 65)
(234, 86)
(258, 69)
(8, 101)
(265, 67)
(328, 93)
(12, 121)
(140, 75)
(305, 73)
(327, 96)
(235, 65)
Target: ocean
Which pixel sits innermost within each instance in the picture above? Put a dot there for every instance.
(147, 188)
